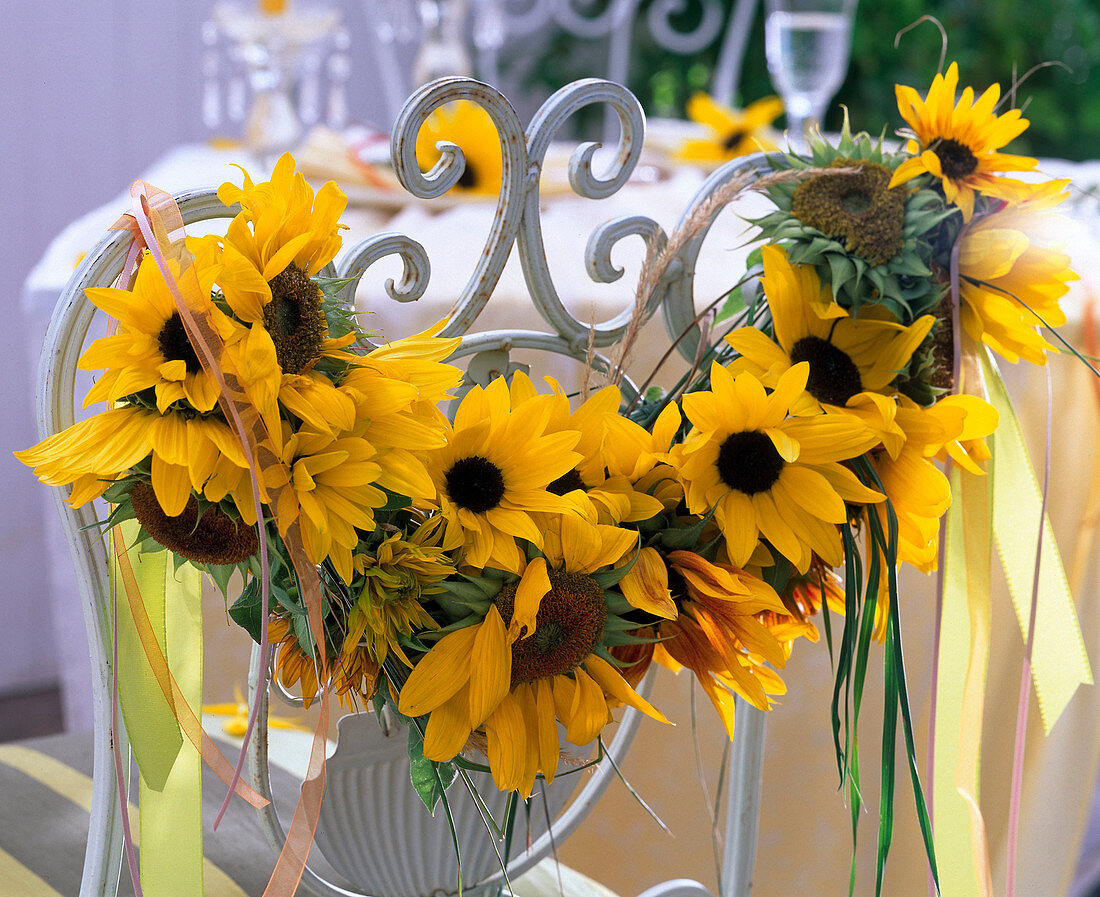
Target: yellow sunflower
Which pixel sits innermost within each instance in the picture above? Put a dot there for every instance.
(1013, 273)
(282, 237)
(184, 451)
(493, 473)
(958, 143)
(150, 349)
(765, 473)
(732, 132)
(332, 480)
(853, 361)
(597, 492)
(468, 126)
(395, 390)
(534, 659)
(915, 487)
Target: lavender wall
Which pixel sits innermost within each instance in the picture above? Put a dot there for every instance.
(91, 93)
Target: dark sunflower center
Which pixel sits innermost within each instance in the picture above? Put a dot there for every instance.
(567, 483)
(834, 377)
(175, 346)
(469, 177)
(213, 538)
(295, 319)
(855, 206)
(956, 159)
(748, 462)
(568, 626)
(475, 483)
(733, 140)
(677, 586)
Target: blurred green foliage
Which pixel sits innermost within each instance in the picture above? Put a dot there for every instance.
(989, 39)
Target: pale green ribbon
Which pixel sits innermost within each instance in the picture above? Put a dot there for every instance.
(170, 787)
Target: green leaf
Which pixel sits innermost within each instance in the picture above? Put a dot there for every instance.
(429, 779)
(221, 574)
(246, 611)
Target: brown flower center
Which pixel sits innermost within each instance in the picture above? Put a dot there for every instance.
(748, 462)
(567, 483)
(475, 483)
(956, 159)
(295, 318)
(855, 206)
(175, 346)
(568, 626)
(834, 377)
(214, 538)
(732, 141)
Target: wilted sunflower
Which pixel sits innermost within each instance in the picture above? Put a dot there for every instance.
(1013, 274)
(353, 673)
(468, 126)
(717, 632)
(536, 658)
(393, 582)
(733, 132)
(870, 241)
(767, 474)
(958, 143)
(493, 473)
(853, 360)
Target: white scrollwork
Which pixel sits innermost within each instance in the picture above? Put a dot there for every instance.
(515, 179)
(660, 17)
(576, 21)
(545, 124)
(417, 268)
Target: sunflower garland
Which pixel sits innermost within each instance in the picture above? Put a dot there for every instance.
(508, 576)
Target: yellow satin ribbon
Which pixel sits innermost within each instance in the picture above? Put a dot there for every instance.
(1003, 508)
(170, 786)
(1059, 663)
(962, 852)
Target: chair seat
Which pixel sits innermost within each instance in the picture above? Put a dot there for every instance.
(45, 793)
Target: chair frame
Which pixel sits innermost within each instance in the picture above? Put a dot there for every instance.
(516, 222)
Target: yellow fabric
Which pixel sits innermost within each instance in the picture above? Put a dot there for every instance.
(77, 788)
(19, 881)
(1059, 661)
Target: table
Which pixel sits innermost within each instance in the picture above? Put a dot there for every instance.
(804, 841)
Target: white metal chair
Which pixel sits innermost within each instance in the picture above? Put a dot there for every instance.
(517, 221)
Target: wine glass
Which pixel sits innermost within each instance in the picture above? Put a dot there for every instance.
(808, 43)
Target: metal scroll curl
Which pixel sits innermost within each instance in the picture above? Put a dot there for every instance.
(515, 179)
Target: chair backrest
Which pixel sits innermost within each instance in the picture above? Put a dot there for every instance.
(517, 221)
(491, 27)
